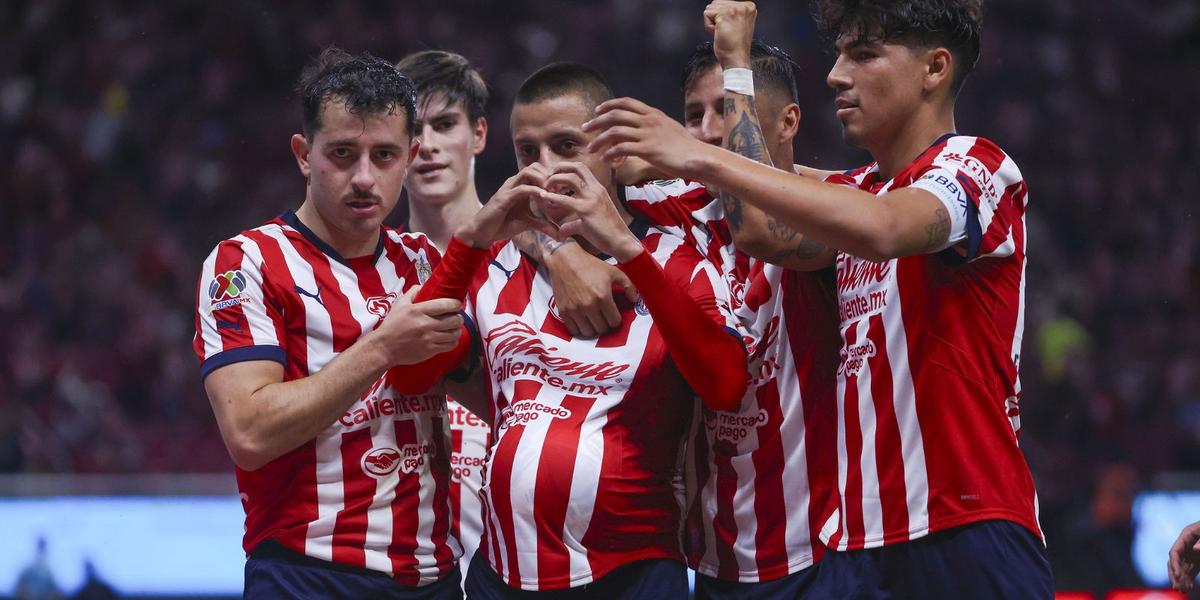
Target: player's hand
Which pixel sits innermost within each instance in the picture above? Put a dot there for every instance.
(411, 333)
(583, 291)
(580, 205)
(1184, 558)
(628, 127)
(732, 24)
(509, 211)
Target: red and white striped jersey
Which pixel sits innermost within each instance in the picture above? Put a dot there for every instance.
(470, 438)
(372, 490)
(928, 390)
(765, 473)
(589, 433)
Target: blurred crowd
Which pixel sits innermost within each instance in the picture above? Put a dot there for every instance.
(134, 136)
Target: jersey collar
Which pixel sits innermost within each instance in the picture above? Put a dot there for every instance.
(291, 220)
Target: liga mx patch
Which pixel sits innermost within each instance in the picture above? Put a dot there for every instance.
(226, 290)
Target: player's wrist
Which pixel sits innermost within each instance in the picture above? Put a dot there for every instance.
(739, 80)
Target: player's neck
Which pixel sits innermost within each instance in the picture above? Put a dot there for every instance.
(348, 244)
(913, 138)
(439, 219)
(783, 157)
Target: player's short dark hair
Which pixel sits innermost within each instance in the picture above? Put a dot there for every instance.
(559, 79)
(773, 69)
(365, 83)
(450, 74)
(952, 24)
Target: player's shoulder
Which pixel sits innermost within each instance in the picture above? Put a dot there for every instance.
(975, 156)
(411, 241)
(248, 240)
(852, 177)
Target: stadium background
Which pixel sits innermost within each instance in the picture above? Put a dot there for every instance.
(134, 135)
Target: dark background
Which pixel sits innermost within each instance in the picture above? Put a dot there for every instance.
(136, 135)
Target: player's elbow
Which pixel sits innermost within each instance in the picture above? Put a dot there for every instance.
(726, 394)
(880, 241)
(249, 450)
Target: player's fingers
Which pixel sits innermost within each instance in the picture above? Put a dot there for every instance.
(597, 323)
(563, 181)
(622, 280)
(570, 228)
(612, 137)
(409, 294)
(623, 103)
(623, 149)
(438, 306)
(610, 314)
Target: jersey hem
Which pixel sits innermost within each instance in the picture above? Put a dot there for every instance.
(939, 526)
(710, 570)
(593, 575)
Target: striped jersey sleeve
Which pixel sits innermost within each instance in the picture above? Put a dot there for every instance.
(237, 317)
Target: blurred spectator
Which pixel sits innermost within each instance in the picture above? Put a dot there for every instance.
(137, 135)
(36, 582)
(94, 588)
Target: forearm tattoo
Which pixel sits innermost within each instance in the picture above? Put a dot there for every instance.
(938, 231)
(745, 138)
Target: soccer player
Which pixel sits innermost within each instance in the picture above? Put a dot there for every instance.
(580, 494)
(343, 478)
(1184, 558)
(936, 500)
(452, 130)
(770, 467)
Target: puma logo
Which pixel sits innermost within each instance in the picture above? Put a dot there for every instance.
(316, 296)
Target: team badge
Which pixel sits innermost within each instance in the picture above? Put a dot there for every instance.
(424, 270)
(640, 307)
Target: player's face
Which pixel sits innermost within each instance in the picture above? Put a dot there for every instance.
(704, 107)
(355, 165)
(704, 110)
(551, 132)
(444, 167)
(878, 86)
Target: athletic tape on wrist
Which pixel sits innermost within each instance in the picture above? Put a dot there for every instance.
(739, 81)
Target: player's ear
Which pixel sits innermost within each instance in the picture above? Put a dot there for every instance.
(480, 134)
(939, 63)
(300, 150)
(790, 124)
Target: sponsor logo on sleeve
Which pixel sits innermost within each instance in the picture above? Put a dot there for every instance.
(227, 290)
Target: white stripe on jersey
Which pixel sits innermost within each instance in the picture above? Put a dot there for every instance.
(904, 402)
(872, 510)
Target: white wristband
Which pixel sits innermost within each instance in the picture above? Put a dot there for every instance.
(739, 81)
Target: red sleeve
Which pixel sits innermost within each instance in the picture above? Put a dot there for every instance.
(450, 279)
(711, 360)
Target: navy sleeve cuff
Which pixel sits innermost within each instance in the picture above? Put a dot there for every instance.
(464, 371)
(243, 354)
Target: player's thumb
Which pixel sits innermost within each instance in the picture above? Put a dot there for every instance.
(409, 294)
(622, 280)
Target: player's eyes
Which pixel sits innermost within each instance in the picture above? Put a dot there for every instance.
(444, 125)
(568, 146)
(341, 153)
(385, 155)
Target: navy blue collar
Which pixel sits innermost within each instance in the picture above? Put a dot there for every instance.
(289, 217)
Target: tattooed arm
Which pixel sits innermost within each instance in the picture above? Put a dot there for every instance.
(755, 232)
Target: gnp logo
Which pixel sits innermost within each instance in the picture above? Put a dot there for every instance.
(380, 462)
(226, 289)
(380, 305)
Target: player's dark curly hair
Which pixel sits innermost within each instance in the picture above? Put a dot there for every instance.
(773, 68)
(450, 74)
(952, 24)
(366, 84)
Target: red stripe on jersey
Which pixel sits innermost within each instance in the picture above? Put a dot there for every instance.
(350, 528)
(229, 258)
(515, 296)
(295, 341)
(442, 526)
(770, 540)
(852, 501)
(893, 495)
(406, 504)
(811, 317)
(725, 525)
(553, 326)
(503, 463)
(346, 329)
(456, 446)
(552, 491)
